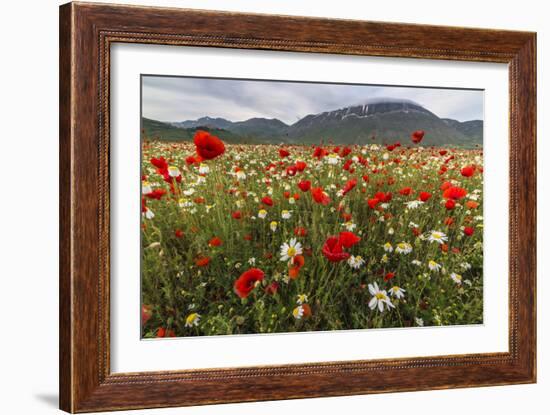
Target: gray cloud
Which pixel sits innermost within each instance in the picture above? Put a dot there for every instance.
(181, 98)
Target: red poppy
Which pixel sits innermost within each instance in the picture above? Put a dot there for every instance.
(178, 233)
(450, 204)
(156, 194)
(332, 250)
(350, 184)
(320, 196)
(237, 214)
(272, 288)
(366, 178)
(389, 276)
(348, 239)
(442, 152)
(163, 332)
(406, 191)
(445, 185)
(468, 231)
(373, 202)
(472, 204)
(383, 197)
(284, 153)
(468, 171)
(299, 231)
(345, 151)
(307, 311)
(424, 196)
(191, 160)
(202, 261)
(347, 164)
(208, 146)
(319, 152)
(247, 281)
(160, 163)
(304, 185)
(300, 165)
(215, 241)
(454, 193)
(449, 221)
(417, 136)
(266, 200)
(298, 261)
(293, 272)
(291, 171)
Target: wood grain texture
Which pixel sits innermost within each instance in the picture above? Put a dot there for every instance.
(86, 33)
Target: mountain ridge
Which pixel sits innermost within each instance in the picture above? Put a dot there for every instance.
(379, 120)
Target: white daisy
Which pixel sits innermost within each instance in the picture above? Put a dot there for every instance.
(434, 266)
(350, 226)
(416, 262)
(273, 226)
(302, 298)
(439, 237)
(397, 292)
(456, 278)
(189, 192)
(252, 261)
(285, 214)
(262, 213)
(298, 312)
(419, 321)
(148, 213)
(414, 204)
(332, 158)
(356, 262)
(192, 319)
(404, 248)
(379, 298)
(290, 250)
(388, 247)
(204, 169)
(146, 188)
(173, 171)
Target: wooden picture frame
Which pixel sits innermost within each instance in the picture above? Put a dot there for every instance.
(86, 33)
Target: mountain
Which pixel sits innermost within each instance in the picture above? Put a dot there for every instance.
(262, 128)
(204, 122)
(472, 129)
(379, 120)
(153, 129)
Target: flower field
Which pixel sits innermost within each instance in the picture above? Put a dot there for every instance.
(241, 239)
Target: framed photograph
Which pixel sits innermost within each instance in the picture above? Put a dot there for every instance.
(260, 207)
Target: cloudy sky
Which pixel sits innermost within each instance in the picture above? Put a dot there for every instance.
(180, 99)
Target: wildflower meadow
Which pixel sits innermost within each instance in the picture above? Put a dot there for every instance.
(242, 238)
